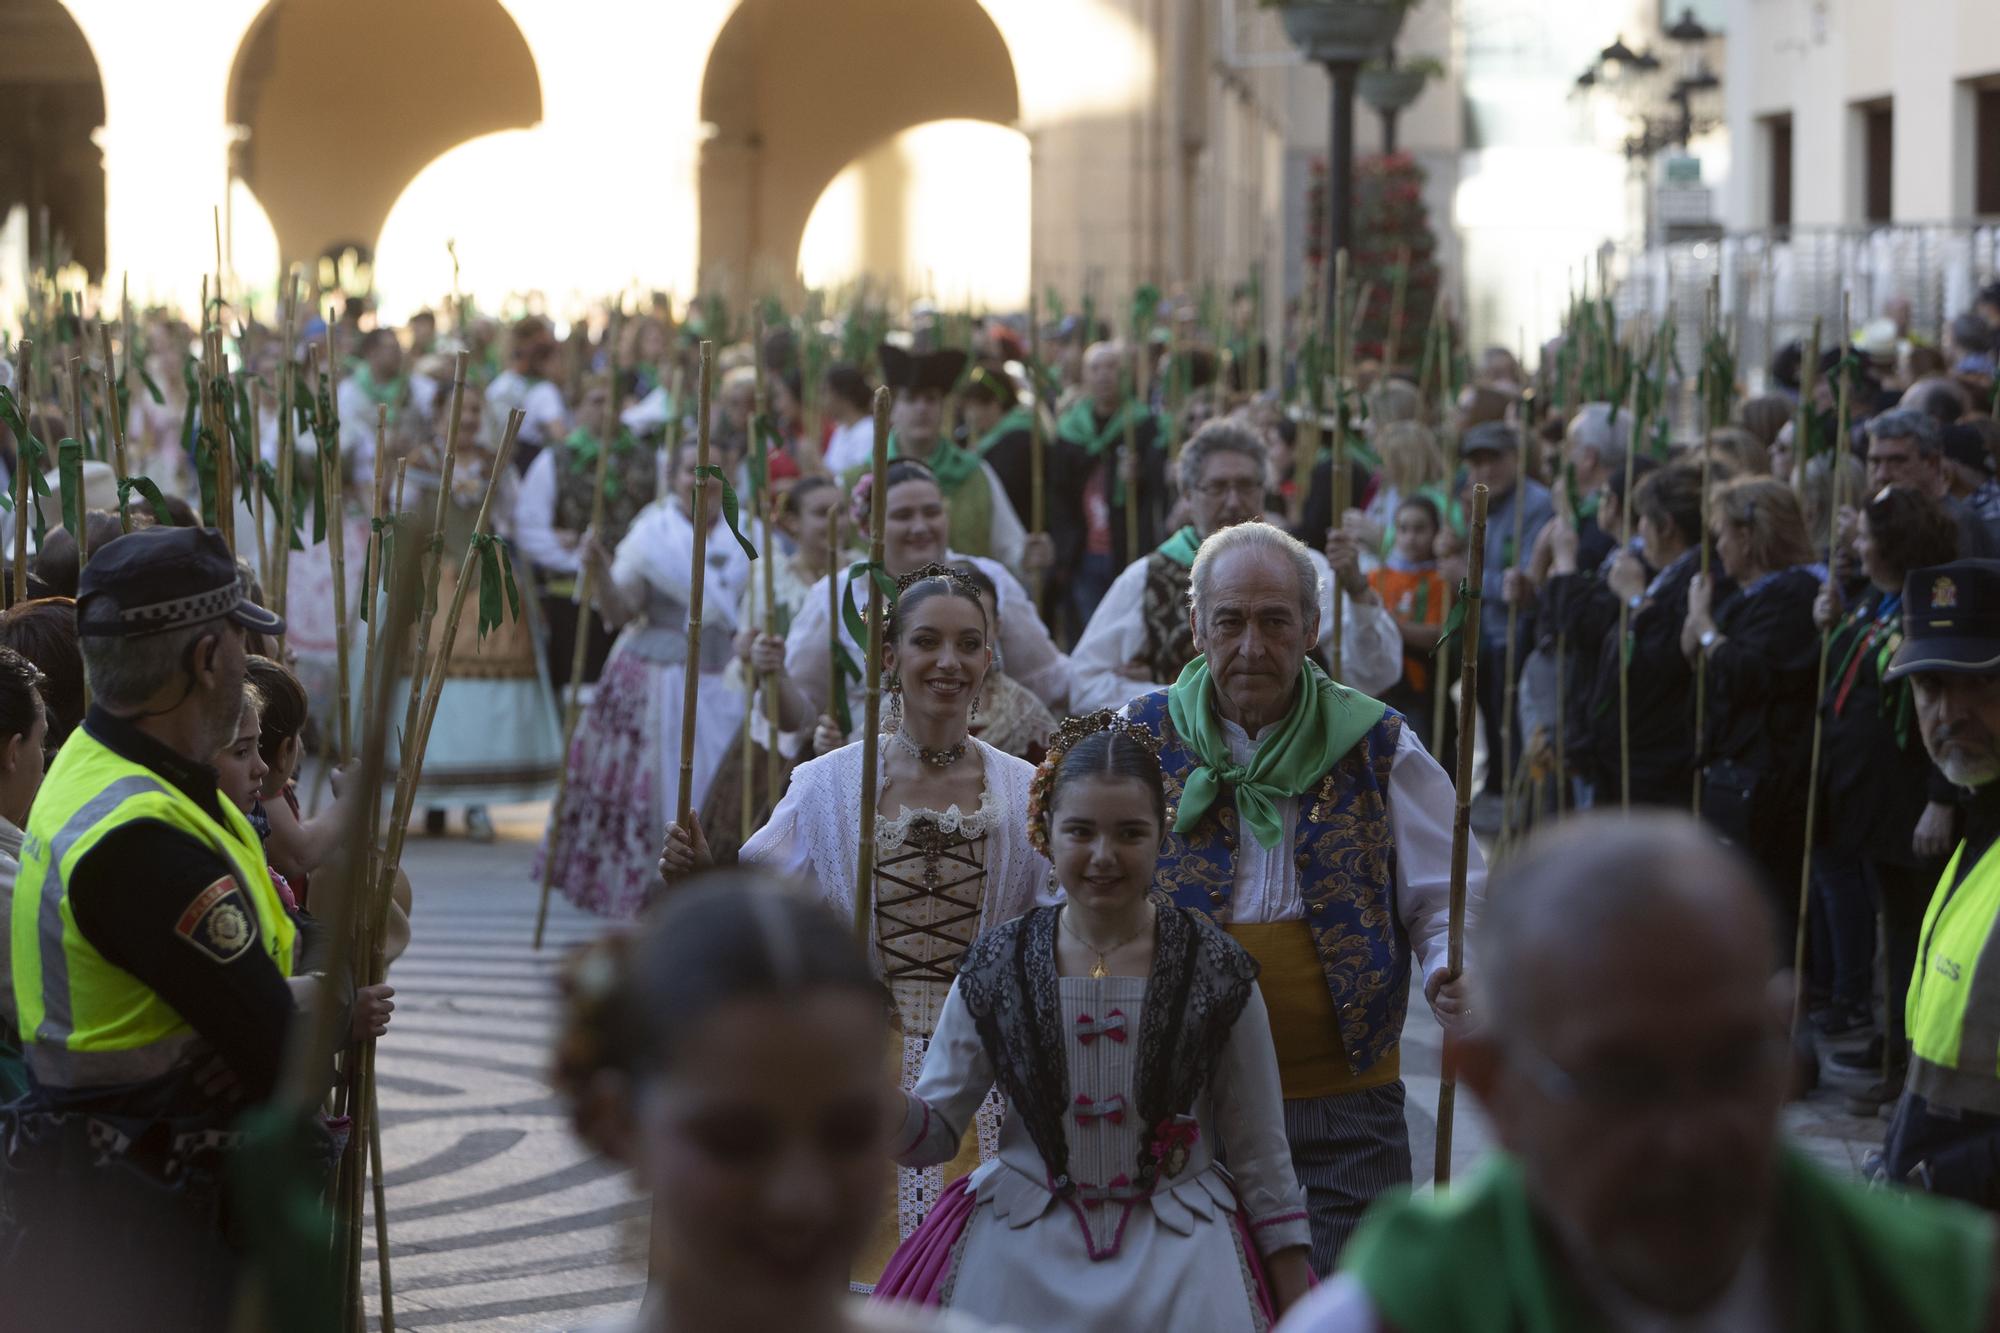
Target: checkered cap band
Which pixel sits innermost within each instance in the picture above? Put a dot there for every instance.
(182, 610)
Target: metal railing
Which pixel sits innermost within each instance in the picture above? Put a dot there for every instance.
(1775, 283)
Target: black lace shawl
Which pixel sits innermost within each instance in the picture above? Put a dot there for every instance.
(1201, 982)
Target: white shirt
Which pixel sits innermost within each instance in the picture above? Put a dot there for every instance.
(535, 518)
(1421, 807)
(1006, 539)
(1371, 649)
(540, 399)
(851, 445)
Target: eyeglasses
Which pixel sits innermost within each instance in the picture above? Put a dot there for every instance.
(1220, 490)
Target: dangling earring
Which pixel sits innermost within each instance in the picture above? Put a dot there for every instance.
(972, 712)
(895, 684)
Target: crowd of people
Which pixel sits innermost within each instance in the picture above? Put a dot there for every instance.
(1164, 801)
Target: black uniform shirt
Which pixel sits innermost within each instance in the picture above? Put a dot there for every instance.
(167, 908)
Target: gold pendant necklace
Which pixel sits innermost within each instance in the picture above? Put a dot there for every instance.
(1098, 970)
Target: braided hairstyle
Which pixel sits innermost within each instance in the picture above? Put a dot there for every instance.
(1095, 745)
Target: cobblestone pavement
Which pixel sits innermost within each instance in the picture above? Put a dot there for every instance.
(499, 1220)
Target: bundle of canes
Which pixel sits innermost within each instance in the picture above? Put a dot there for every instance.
(1461, 824)
(585, 589)
(878, 509)
(1508, 681)
(1825, 649)
(691, 693)
(115, 415)
(774, 761)
(1337, 478)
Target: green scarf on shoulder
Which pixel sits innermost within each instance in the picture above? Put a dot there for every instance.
(1019, 419)
(384, 395)
(1079, 425)
(583, 447)
(949, 463)
(1325, 722)
(1476, 1259)
(1181, 547)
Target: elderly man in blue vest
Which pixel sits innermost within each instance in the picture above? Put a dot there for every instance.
(1309, 822)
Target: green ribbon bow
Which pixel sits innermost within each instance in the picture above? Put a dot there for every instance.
(857, 625)
(1325, 721)
(729, 510)
(496, 577)
(1453, 623)
(384, 527)
(154, 500)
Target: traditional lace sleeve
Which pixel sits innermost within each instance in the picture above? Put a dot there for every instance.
(1250, 1118)
(956, 1078)
(783, 844)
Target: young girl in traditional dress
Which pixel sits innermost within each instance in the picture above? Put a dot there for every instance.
(1131, 1042)
(624, 764)
(951, 855)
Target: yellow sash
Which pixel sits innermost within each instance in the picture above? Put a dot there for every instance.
(1304, 1026)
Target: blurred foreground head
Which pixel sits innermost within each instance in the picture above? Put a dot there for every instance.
(1633, 1053)
(730, 1051)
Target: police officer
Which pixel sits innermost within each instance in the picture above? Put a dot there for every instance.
(150, 956)
(1946, 1133)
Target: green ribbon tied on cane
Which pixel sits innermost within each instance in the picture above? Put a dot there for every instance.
(857, 626)
(69, 480)
(496, 579)
(1455, 622)
(729, 510)
(383, 528)
(154, 500)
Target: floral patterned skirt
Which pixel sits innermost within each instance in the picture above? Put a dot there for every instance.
(624, 780)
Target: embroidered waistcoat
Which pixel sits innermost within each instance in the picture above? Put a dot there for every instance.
(1163, 609)
(1345, 852)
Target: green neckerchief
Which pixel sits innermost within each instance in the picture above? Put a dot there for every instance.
(1079, 425)
(1326, 720)
(1477, 1259)
(387, 395)
(583, 447)
(1018, 419)
(1180, 547)
(949, 463)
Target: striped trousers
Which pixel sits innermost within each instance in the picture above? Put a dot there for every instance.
(1346, 1150)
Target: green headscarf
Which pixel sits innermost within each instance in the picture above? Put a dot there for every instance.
(1181, 547)
(1325, 722)
(1079, 425)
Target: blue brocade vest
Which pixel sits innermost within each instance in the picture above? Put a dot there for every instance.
(1345, 852)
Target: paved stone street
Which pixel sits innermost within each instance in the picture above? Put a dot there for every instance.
(499, 1220)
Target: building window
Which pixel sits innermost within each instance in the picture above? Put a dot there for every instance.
(1878, 162)
(1986, 150)
(1778, 170)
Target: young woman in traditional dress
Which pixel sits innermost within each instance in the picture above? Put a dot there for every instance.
(806, 515)
(913, 535)
(624, 764)
(496, 739)
(1131, 1041)
(728, 1054)
(952, 857)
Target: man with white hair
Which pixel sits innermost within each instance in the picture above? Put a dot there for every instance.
(1140, 638)
(1631, 1055)
(1311, 823)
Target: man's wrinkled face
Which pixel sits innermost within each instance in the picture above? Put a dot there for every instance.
(1959, 715)
(1252, 631)
(1898, 463)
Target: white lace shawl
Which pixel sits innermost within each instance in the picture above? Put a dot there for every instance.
(815, 833)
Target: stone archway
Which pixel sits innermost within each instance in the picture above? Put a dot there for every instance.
(51, 101)
(328, 153)
(794, 90)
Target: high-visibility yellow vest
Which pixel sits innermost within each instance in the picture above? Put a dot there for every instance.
(85, 1021)
(1953, 1010)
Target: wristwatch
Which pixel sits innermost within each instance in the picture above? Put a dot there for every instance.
(1708, 638)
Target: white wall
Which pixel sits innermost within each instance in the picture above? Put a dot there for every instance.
(1816, 59)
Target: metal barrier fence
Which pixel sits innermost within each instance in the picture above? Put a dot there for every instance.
(1775, 283)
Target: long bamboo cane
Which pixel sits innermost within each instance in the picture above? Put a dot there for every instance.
(433, 570)
(1340, 487)
(1625, 617)
(1461, 824)
(257, 492)
(378, 576)
(1802, 416)
(78, 433)
(115, 413)
(1836, 458)
(218, 423)
(1701, 659)
(24, 394)
(1312, 383)
(336, 554)
(1440, 683)
(578, 655)
(691, 692)
(1131, 461)
(1508, 683)
(871, 726)
(287, 451)
(1393, 350)
(1038, 463)
(836, 680)
(385, 1286)
(761, 489)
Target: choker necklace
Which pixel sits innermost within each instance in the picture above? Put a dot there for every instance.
(1098, 970)
(923, 754)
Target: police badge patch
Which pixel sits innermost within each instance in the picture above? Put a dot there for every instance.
(218, 922)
